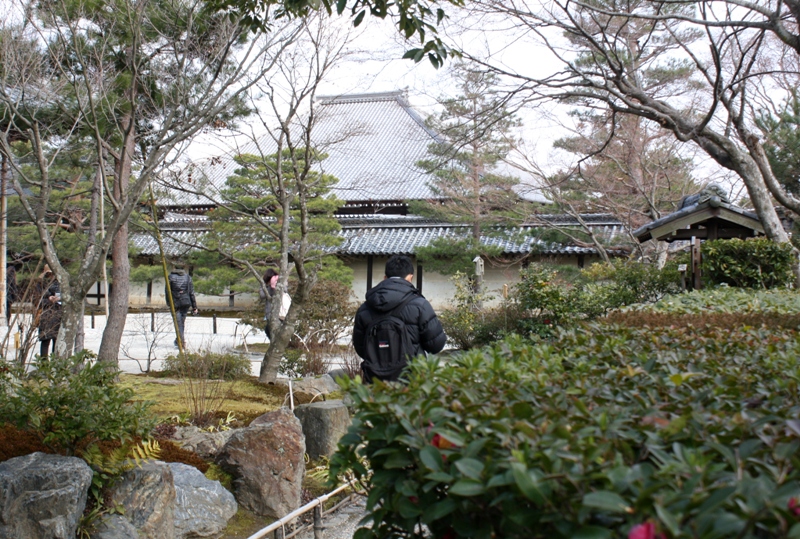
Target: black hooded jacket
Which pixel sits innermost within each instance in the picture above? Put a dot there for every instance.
(425, 329)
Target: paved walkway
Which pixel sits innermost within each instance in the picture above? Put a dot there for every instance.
(151, 336)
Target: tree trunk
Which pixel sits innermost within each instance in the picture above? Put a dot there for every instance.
(71, 314)
(117, 299)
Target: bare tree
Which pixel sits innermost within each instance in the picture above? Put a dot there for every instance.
(132, 82)
(274, 210)
(614, 54)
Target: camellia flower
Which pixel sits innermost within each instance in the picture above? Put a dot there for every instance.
(441, 443)
(794, 506)
(646, 530)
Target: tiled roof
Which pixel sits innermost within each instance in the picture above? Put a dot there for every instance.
(386, 240)
(396, 234)
(373, 142)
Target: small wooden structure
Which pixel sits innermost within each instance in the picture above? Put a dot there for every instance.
(708, 215)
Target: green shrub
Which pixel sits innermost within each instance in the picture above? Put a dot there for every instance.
(71, 401)
(625, 282)
(727, 300)
(209, 366)
(751, 263)
(463, 320)
(548, 302)
(692, 429)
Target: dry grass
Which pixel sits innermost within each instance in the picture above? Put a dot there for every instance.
(247, 398)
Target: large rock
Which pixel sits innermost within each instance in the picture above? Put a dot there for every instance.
(205, 444)
(203, 507)
(147, 494)
(324, 423)
(266, 461)
(115, 527)
(42, 496)
(311, 388)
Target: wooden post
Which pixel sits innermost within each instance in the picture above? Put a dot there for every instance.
(319, 529)
(214, 323)
(279, 533)
(152, 321)
(697, 283)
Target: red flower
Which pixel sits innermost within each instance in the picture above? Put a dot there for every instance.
(441, 443)
(645, 531)
(413, 499)
(794, 506)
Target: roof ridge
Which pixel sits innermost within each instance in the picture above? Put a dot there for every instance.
(350, 98)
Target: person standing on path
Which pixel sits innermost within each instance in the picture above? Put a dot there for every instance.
(270, 281)
(395, 297)
(182, 290)
(49, 320)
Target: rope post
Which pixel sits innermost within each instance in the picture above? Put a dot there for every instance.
(214, 323)
(319, 529)
(152, 321)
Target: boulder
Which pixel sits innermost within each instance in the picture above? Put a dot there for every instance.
(312, 387)
(266, 461)
(147, 494)
(115, 527)
(324, 423)
(205, 444)
(203, 507)
(42, 496)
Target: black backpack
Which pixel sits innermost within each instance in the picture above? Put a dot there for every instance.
(388, 344)
(179, 286)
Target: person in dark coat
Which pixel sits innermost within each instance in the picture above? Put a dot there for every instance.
(49, 311)
(270, 281)
(427, 334)
(182, 289)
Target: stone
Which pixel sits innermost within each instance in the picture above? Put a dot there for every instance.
(324, 423)
(147, 494)
(115, 527)
(266, 460)
(203, 507)
(42, 496)
(311, 388)
(205, 444)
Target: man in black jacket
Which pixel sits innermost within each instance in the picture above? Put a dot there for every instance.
(423, 327)
(182, 290)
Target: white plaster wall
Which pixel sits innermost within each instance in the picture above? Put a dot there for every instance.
(435, 287)
(138, 298)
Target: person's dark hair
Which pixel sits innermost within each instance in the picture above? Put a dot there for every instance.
(269, 274)
(399, 266)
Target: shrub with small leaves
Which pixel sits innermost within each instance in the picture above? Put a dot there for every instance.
(605, 432)
(750, 263)
(208, 366)
(72, 400)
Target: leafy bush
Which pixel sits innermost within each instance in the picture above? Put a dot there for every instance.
(627, 282)
(209, 366)
(727, 300)
(751, 263)
(71, 401)
(548, 302)
(692, 431)
(463, 321)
